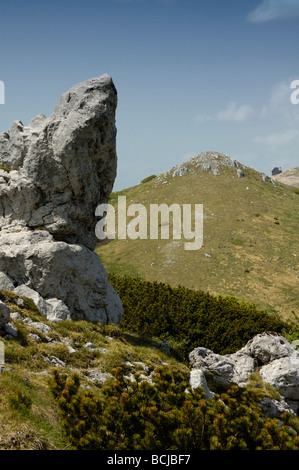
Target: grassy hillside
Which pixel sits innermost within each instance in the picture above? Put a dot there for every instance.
(29, 416)
(251, 230)
(250, 252)
(58, 388)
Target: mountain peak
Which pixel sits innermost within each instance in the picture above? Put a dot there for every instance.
(207, 161)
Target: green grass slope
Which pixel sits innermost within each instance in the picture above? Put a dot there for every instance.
(250, 230)
(36, 351)
(29, 416)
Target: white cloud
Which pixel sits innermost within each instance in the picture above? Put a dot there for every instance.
(279, 138)
(279, 105)
(232, 113)
(235, 113)
(277, 109)
(270, 10)
(202, 118)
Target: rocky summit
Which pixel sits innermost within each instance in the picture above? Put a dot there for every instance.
(290, 177)
(53, 174)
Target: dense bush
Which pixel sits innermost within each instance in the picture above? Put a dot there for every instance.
(148, 178)
(165, 416)
(188, 318)
(20, 401)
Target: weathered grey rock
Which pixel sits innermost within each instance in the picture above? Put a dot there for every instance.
(35, 337)
(5, 282)
(20, 303)
(58, 310)
(55, 361)
(268, 347)
(274, 408)
(198, 379)
(62, 166)
(206, 161)
(266, 178)
(98, 377)
(271, 354)
(70, 348)
(44, 307)
(16, 316)
(55, 276)
(41, 327)
(58, 170)
(276, 171)
(4, 313)
(232, 368)
(240, 173)
(283, 374)
(10, 330)
(92, 347)
(180, 170)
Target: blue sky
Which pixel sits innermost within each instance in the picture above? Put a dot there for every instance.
(191, 75)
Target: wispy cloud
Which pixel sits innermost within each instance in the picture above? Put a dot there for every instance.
(279, 138)
(277, 108)
(270, 10)
(232, 113)
(201, 118)
(235, 113)
(279, 111)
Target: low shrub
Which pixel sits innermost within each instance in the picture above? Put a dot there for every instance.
(166, 415)
(20, 401)
(188, 319)
(148, 178)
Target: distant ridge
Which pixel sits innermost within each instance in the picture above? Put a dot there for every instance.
(250, 233)
(290, 176)
(210, 161)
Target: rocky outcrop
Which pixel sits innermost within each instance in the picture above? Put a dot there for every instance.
(276, 360)
(53, 174)
(61, 167)
(290, 177)
(213, 162)
(206, 161)
(276, 171)
(266, 178)
(4, 314)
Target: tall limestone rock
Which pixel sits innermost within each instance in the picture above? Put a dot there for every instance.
(53, 174)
